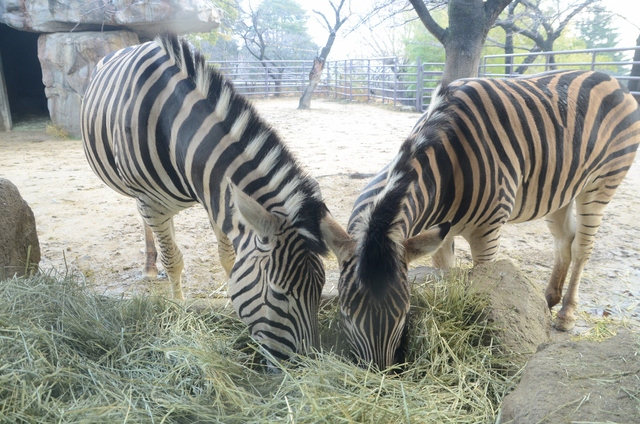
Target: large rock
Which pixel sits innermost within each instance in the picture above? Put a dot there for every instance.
(517, 308)
(583, 381)
(19, 246)
(67, 61)
(147, 17)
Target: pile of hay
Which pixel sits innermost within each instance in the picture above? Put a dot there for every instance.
(68, 355)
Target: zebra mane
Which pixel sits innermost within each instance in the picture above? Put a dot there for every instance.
(380, 251)
(297, 193)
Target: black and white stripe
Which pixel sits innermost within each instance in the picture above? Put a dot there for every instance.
(486, 153)
(160, 126)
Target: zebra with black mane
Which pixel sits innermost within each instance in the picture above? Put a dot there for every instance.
(487, 152)
(161, 126)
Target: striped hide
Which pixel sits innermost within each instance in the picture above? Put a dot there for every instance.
(487, 152)
(161, 126)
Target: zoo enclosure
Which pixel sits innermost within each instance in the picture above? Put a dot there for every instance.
(389, 80)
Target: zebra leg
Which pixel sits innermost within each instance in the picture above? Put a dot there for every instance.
(562, 225)
(443, 257)
(225, 250)
(151, 254)
(161, 223)
(590, 206)
(484, 243)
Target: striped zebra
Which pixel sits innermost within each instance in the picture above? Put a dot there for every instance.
(487, 152)
(160, 126)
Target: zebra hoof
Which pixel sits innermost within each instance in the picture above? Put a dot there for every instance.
(150, 274)
(565, 323)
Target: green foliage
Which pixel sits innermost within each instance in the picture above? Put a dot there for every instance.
(277, 29)
(592, 28)
(596, 29)
(229, 12)
(421, 44)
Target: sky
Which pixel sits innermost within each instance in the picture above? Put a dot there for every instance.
(627, 22)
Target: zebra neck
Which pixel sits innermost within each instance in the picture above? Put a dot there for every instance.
(431, 199)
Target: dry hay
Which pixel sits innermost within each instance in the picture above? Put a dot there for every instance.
(68, 355)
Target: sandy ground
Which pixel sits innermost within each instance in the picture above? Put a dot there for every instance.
(86, 227)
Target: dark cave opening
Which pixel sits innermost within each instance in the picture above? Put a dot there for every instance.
(23, 74)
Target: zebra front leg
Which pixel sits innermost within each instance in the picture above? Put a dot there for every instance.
(443, 257)
(151, 254)
(225, 250)
(161, 223)
(562, 226)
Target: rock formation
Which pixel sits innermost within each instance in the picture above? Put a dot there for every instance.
(19, 246)
(76, 34)
(67, 62)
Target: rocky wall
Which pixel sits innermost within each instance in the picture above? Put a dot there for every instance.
(67, 62)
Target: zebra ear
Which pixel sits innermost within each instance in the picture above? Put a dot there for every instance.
(253, 213)
(338, 240)
(426, 242)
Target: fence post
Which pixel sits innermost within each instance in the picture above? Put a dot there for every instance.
(368, 80)
(335, 91)
(266, 80)
(350, 79)
(419, 86)
(395, 80)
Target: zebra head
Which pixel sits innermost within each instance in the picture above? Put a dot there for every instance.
(277, 279)
(374, 287)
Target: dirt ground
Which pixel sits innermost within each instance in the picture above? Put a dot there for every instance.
(84, 226)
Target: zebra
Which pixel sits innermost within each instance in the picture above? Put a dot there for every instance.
(486, 152)
(161, 126)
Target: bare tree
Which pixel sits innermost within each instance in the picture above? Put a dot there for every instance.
(469, 24)
(318, 63)
(542, 28)
(275, 31)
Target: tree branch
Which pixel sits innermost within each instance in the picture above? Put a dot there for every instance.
(566, 20)
(493, 8)
(428, 21)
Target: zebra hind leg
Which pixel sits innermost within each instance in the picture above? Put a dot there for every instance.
(590, 206)
(162, 226)
(562, 226)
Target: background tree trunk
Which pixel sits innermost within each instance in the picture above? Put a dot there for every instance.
(469, 24)
(318, 62)
(634, 85)
(314, 78)
(464, 40)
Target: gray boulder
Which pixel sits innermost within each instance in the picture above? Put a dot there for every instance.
(518, 308)
(583, 381)
(67, 61)
(146, 18)
(19, 246)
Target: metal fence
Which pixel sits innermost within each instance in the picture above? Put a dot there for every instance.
(268, 78)
(389, 80)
